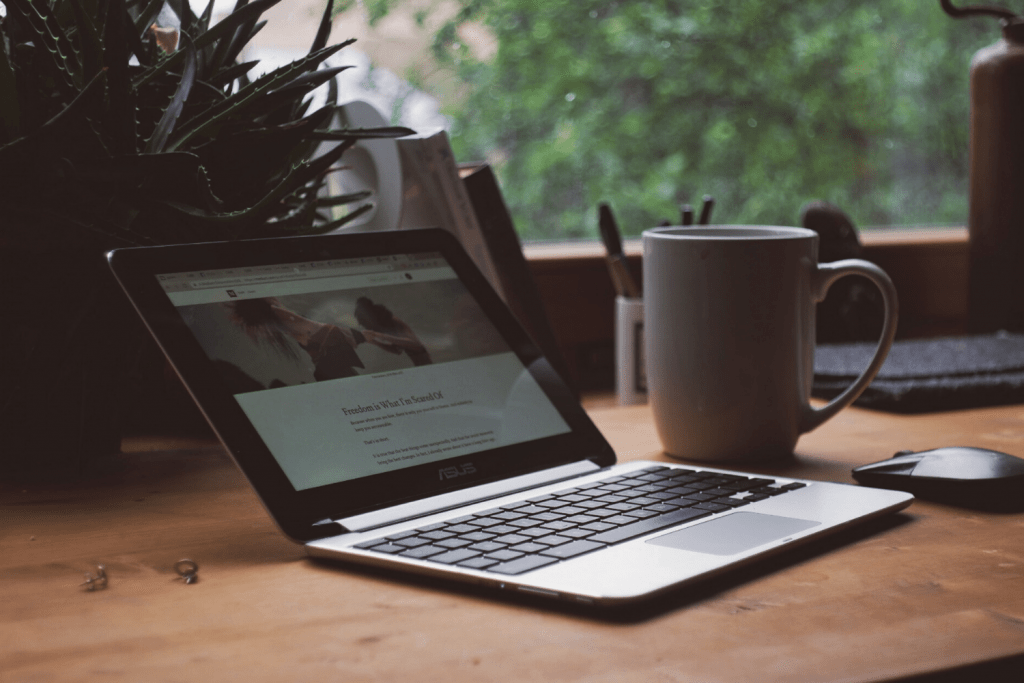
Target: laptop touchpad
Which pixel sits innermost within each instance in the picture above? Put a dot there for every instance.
(733, 533)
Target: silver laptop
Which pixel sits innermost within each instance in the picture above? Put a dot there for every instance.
(389, 410)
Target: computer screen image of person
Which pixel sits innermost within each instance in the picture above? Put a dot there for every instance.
(268, 342)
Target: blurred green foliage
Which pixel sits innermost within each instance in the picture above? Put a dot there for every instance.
(763, 105)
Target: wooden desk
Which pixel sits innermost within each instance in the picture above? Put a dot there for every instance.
(933, 589)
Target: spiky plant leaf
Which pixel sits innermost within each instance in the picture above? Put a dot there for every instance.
(170, 117)
(362, 133)
(52, 43)
(90, 43)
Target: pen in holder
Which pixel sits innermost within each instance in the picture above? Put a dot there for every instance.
(630, 372)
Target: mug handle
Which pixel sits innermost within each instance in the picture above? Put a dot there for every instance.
(822, 277)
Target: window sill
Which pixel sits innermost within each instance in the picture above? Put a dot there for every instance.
(873, 239)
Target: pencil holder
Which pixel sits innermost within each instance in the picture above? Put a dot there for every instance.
(630, 373)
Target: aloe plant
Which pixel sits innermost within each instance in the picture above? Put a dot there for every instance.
(115, 131)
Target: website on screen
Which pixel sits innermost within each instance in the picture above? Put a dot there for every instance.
(349, 368)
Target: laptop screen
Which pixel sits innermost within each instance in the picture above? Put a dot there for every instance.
(354, 367)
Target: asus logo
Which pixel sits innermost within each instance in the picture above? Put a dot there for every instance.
(456, 471)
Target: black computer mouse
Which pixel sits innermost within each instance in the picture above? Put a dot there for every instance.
(970, 477)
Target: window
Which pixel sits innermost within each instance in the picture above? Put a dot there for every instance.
(653, 104)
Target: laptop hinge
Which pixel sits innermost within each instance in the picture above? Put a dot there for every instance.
(455, 499)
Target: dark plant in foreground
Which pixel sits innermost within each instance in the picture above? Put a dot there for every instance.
(133, 122)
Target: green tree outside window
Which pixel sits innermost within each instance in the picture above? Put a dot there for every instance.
(764, 105)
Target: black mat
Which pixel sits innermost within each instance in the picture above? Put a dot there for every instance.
(925, 375)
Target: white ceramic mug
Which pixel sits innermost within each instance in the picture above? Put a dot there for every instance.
(729, 321)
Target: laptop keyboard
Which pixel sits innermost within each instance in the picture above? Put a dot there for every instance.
(518, 537)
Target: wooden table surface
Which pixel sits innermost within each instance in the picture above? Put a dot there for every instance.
(931, 589)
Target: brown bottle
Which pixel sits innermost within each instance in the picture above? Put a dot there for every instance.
(996, 220)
